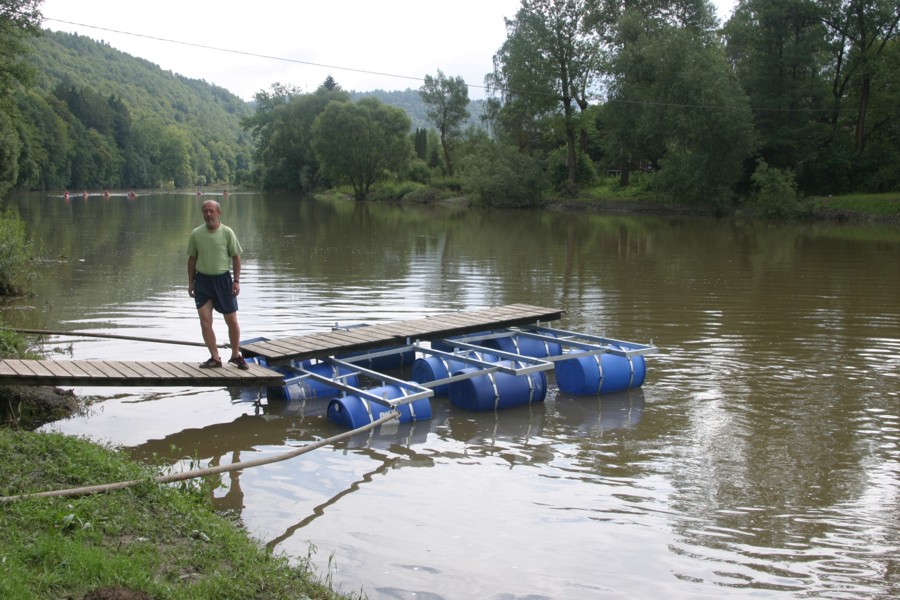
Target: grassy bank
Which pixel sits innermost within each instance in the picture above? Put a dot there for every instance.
(150, 541)
(874, 206)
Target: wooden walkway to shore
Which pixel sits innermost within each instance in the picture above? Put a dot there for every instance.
(314, 345)
(131, 374)
(385, 335)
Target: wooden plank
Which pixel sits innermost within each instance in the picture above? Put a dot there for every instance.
(145, 369)
(23, 369)
(164, 371)
(92, 370)
(40, 369)
(68, 369)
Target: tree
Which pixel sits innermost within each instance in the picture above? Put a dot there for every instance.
(447, 99)
(778, 51)
(860, 33)
(18, 19)
(675, 104)
(282, 128)
(550, 59)
(361, 142)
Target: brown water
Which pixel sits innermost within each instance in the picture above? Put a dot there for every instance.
(760, 459)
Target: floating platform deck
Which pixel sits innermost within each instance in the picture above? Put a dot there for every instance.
(312, 346)
(357, 339)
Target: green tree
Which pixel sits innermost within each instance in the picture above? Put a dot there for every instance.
(175, 157)
(18, 20)
(675, 104)
(550, 60)
(361, 142)
(861, 31)
(497, 174)
(9, 153)
(779, 54)
(17, 256)
(282, 128)
(447, 99)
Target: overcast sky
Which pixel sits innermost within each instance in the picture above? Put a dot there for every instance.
(245, 46)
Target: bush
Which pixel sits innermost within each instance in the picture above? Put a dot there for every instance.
(16, 256)
(393, 190)
(558, 169)
(452, 184)
(774, 191)
(418, 171)
(497, 175)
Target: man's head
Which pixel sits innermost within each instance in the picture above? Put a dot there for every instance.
(211, 213)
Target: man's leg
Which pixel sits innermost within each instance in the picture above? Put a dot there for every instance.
(234, 333)
(206, 328)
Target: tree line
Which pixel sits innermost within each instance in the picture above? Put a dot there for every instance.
(79, 114)
(787, 98)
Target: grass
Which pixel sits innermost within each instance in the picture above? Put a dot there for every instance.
(880, 205)
(163, 541)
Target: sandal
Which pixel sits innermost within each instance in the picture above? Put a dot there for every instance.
(211, 363)
(240, 362)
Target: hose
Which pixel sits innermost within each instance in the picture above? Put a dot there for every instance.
(109, 487)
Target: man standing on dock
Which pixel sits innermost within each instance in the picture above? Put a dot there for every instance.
(213, 249)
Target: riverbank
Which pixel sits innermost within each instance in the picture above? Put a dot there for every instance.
(140, 543)
(143, 542)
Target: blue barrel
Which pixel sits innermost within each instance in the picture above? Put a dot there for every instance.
(434, 367)
(600, 374)
(447, 346)
(493, 391)
(382, 363)
(297, 387)
(353, 411)
(524, 345)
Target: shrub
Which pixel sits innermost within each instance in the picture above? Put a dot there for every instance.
(558, 170)
(393, 190)
(418, 171)
(452, 184)
(498, 175)
(774, 191)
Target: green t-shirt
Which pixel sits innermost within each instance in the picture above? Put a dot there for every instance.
(213, 249)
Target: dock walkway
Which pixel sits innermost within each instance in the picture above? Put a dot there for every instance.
(130, 374)
(283, 350)
(382, 335)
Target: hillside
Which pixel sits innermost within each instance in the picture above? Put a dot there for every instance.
(411, 102)
(96, 117)
(148, 90)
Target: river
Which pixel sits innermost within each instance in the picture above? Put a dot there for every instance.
(760, 459)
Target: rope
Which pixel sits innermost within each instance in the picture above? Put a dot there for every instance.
(109, 487)
(111, 336)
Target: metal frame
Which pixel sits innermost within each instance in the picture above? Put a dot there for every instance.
(580, 344)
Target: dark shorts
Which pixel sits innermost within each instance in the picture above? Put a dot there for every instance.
(217, 288)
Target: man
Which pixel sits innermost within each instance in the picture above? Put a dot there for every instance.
(213, 248)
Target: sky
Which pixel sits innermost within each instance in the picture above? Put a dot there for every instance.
(246, 46)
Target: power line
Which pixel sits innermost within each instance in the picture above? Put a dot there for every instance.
(418, 79)
(239, 52)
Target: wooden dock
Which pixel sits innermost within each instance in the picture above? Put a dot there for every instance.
(131, 374)
(385, 335)
(314, 345)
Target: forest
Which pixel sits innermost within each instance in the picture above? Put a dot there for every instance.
(788, 98)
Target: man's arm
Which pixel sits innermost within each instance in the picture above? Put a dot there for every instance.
(192, 269)
(236, 274)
